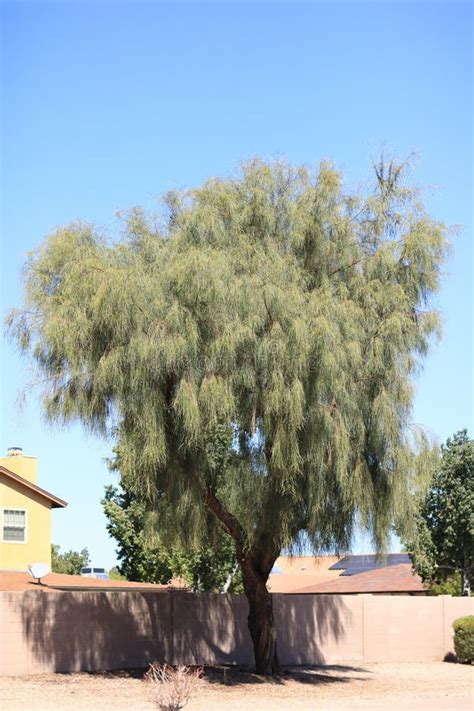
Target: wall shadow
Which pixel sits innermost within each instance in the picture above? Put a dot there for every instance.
(93, 631)
(85, 631)
(211, 628)
(318, 630)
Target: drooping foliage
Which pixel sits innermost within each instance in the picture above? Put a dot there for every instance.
(274, 307)
(144, 558)
(275, 312)
(443, 545)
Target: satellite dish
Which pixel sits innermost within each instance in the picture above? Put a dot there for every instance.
(38, 571)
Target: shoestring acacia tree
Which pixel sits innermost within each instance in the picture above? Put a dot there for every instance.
(273, 312)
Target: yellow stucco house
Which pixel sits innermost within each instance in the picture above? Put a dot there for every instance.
(25, 511)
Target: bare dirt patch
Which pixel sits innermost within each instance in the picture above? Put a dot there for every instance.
(386, 687)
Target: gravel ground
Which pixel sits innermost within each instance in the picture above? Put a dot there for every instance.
(386, 687)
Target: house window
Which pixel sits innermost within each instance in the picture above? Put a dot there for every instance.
(14, 525)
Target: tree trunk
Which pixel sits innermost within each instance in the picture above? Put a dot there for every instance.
(465, 579)
(255, 568)
(260, 620)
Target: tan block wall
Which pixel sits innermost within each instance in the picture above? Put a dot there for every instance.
(44, 632)
(411, 629)
(210, 629)
(319, 629)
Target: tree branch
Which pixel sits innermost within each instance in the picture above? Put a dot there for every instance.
(229, 521)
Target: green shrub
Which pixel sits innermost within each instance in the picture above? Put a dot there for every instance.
(450, 586)
(464, 638)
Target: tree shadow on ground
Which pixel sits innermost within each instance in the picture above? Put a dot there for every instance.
(243, 675)
(236, 676)
(136, 673)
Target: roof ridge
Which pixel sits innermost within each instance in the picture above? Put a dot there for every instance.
(60, 503)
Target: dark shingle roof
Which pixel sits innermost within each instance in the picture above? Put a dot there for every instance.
(390, 579)
(355, 564)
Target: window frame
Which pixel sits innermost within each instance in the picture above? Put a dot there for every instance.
(11, 508)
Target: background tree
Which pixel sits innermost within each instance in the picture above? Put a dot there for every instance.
(451, 585)
(144, 558)
(69, 562)
(274, 310)
(443, 546)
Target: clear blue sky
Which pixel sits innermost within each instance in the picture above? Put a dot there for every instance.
(107, 104)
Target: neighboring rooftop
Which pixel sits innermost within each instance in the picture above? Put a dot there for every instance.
(304, 564)
(292, 572)
(56, 582)
(391, 573)
(362, 563)
(394, 578)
